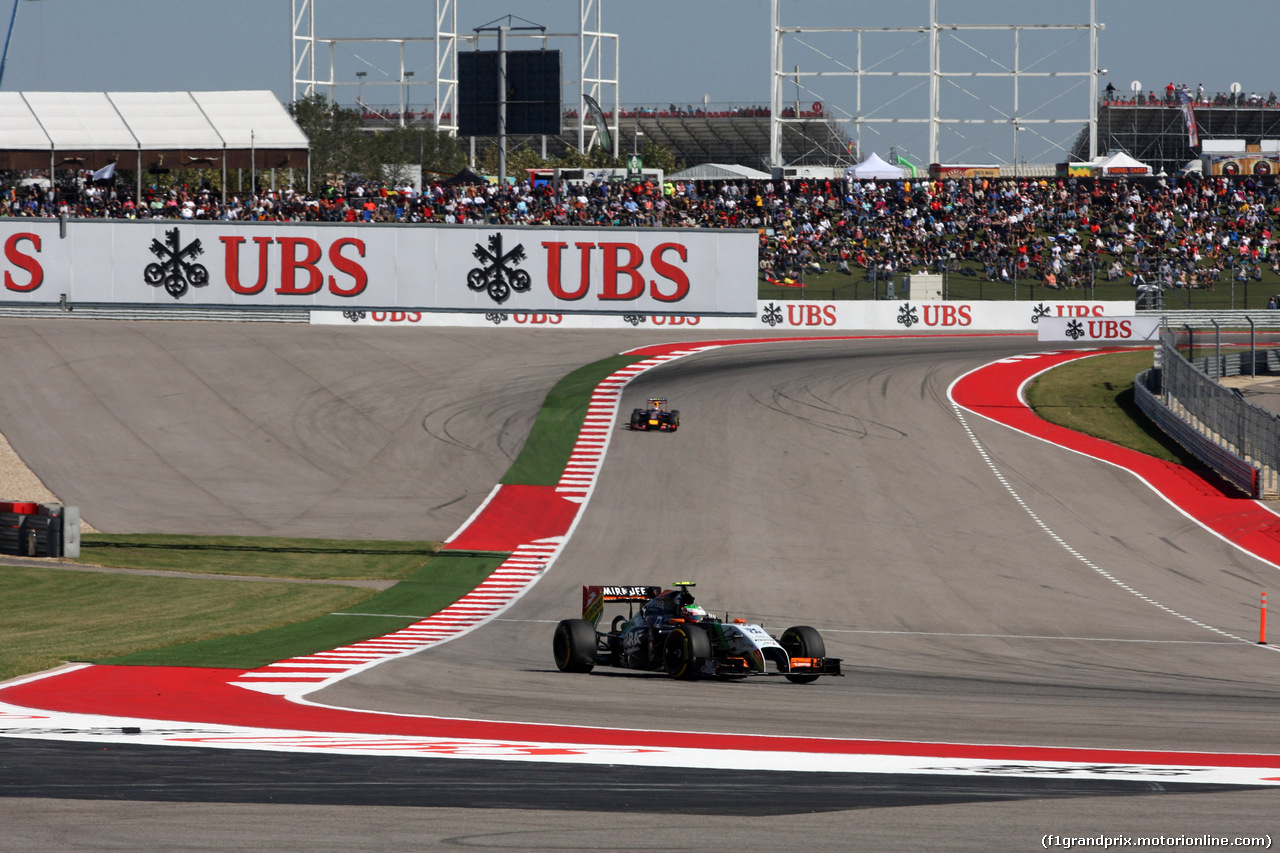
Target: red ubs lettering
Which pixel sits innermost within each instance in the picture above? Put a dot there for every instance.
(396, 316)
(1068, 310)
(947, 315)
(811, 315)
(299, 255)
(29, 263)
(1110, 329)
(622, 272)
(664, 320)
(538, 319)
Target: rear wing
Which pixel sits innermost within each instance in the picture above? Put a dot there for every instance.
(594, 598)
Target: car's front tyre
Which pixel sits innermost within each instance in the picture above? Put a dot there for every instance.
(802, 641)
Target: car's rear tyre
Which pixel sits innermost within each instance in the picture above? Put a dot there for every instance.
(675, 420)
(686, 649)
(637, 419)
(574, 645)
(802, 641)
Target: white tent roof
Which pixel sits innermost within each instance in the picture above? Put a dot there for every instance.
(145, 121)
(874, 167)
(18, 125)
(1121, 163)
(165, 120)
(247, 119)
(78, 120)
(710, 171)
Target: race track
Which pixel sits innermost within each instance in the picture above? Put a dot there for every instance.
(832, 484)
(980, 585)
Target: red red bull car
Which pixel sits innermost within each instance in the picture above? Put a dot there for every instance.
(655, 416)
(666, 631)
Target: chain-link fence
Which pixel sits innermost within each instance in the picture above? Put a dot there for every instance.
(1236, 438)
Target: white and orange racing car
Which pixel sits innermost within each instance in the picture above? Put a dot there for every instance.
(669, 632)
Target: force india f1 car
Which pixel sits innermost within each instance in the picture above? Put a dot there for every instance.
(673, 634)
(655, 416)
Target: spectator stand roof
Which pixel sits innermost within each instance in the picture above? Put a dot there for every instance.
(148, 130)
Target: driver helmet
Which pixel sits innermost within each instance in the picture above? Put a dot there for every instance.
(695, 612)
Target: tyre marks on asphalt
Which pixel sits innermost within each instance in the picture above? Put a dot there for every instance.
(530, 523)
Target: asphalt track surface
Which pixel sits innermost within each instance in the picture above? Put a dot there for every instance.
(829, 482)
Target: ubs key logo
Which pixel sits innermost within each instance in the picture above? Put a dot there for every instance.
(496, 274)
(174, 271)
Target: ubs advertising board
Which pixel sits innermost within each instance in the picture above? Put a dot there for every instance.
(444, 268)
(796, 317)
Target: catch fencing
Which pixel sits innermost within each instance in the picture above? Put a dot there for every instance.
(1184, 394)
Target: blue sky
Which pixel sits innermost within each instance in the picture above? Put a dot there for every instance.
(671, 50)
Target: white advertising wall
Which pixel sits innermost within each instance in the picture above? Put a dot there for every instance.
(354, 267)
(1114, 330)
(796, 316)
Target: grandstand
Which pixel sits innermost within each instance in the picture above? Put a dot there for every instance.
(1157, 133)
(714, 134)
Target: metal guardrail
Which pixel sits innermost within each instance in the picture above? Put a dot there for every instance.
(1244, 475)
(1239, 319)
(1237, 439)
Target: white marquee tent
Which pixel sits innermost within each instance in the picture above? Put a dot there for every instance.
(712, 171)
(148, 130)
(874, 168)
(1120, 163)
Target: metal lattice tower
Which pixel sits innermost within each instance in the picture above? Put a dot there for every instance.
(593, 44)
(1011, 114)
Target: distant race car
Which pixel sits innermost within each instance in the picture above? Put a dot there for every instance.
(670, 633)
(655, 416)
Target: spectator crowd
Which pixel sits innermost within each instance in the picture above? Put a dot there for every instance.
(1062, 232)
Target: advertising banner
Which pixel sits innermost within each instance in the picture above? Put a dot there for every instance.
(800, 317)
(360, 267)
(1111, 330)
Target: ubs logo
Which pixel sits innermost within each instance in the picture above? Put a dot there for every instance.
(497, 274)
(175, 270)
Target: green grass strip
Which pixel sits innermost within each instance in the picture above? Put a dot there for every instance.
(313, 559)
(1094, 396)
(546, 452)
(446, 579)
(52, 615)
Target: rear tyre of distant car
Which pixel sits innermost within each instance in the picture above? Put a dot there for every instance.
(675, 420)
(801, 641)
(574, 645)
(637, 419)
(687, 648)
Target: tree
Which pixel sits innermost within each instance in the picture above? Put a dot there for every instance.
(389, 152)
(333, 132)
(658, 156)
(340, 147)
